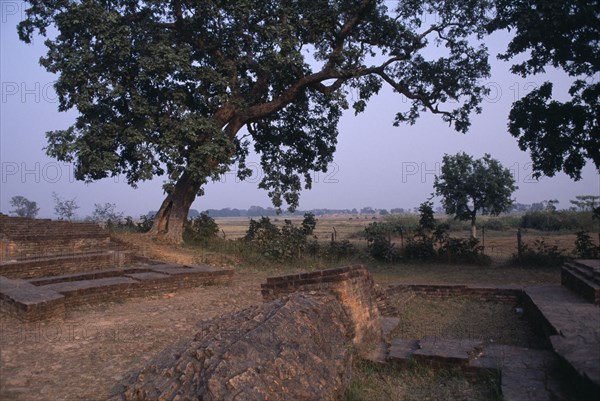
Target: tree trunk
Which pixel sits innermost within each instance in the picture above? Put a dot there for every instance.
(169, 222)
(473, 227)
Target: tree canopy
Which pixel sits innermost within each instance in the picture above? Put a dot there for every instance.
(166, 87)
(65, 209)
(561, 136)
(469, 186)
(23, 207)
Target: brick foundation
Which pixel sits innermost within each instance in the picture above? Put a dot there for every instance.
(49, 297)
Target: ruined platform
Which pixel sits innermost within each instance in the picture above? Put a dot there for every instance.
(569, 324)
(50, 297)
(298, 345)
(49, 266)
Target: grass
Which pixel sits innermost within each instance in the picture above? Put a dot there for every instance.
(419, 383)
(491, 322)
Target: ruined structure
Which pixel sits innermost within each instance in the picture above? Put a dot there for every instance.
(49, 266)
(297, 346)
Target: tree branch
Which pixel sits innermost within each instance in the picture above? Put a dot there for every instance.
(406, 92)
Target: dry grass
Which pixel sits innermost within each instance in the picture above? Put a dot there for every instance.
(490, 322)
(419, 383)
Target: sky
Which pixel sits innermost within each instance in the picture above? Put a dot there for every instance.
(376, 164)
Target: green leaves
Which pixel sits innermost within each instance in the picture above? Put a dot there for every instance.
(561, 34)
(560, 136)
(470, 186)
(165, 87)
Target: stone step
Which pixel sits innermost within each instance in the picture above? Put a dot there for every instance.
(91, 275)
(584, 269)
(401, 351)
(438, 351)
(576, 324)
(582, 282)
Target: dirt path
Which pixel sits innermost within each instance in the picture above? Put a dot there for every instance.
(86, 356)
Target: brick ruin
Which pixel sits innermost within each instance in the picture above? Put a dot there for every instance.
(352, 286)
(300, 343)
(48, 266)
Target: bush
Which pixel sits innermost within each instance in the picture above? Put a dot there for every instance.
(538, 255)
(585, 247)
(202, 228)
(286, 243)
(379, 243)
(459, 250)
(145, 223)
(421, 246)
(502, 223)
(557, 220)
(339, 249)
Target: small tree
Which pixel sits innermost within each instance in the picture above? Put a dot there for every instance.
(470, 186)
(106, 212)
(24, 207)
(64, 209)
(309, 223)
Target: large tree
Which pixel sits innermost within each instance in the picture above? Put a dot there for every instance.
(561, 135)
(183, 88)
(469, 186)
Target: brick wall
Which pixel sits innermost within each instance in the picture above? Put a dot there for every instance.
(507, 294)
(22, 238)
(66, 264)
(352, 286)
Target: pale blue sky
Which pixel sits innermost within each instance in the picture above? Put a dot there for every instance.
(375, 165)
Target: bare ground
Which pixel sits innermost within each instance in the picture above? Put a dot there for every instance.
(86, 356)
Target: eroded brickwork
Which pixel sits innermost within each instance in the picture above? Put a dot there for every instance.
(353, 286)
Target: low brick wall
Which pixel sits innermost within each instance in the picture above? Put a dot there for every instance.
(352, 286)
(507, 294)
(28, 302)
(47, 297)
(66, 264)
(36, 246)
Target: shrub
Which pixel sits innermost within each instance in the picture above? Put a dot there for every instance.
(585, 247)
(539, 255)
(145, 223)
(202, 228)
(557, 220)
(286, 243)
(421, 246)
(339, 250)
(379, 243)
(503, 223)
(459, 250)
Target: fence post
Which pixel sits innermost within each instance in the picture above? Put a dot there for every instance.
(483, 239)
(519, 243)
